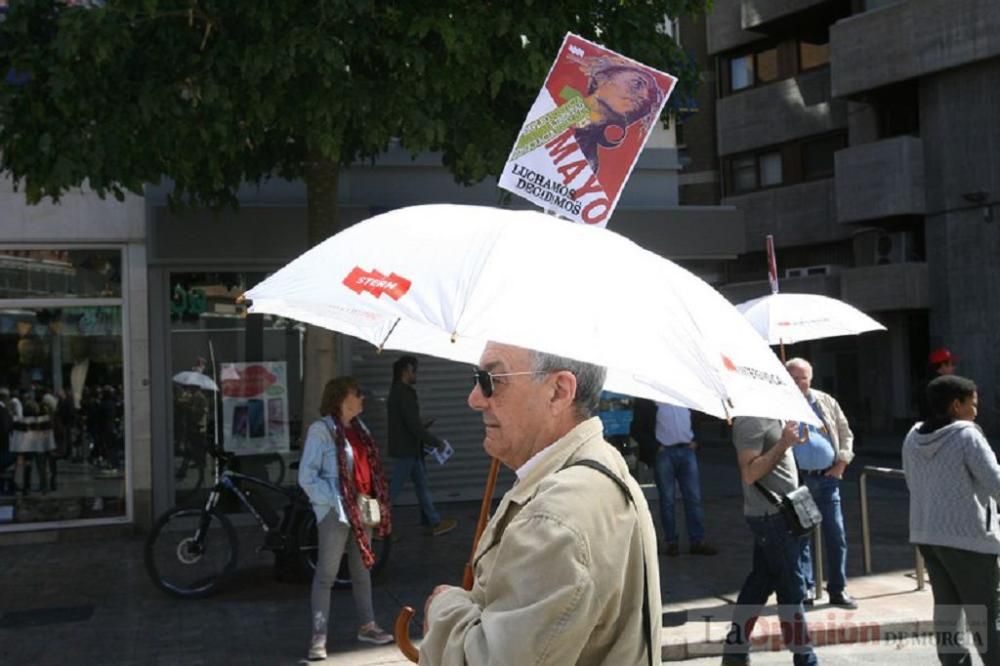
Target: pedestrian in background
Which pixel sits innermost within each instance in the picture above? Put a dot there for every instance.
(408, 435)
(340, 465)
(763, 452)
(825, 453)
(954, 483)
(676, 464)
(939, 362)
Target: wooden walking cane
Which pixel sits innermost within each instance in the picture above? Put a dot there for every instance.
(402, 626)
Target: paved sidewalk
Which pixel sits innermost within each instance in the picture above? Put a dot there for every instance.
(86, 599)
(891, 609)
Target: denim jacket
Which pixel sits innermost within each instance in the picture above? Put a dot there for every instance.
(318, 474)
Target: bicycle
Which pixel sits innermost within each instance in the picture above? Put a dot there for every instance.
(191, 551)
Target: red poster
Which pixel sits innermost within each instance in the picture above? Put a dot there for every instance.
(585, 130)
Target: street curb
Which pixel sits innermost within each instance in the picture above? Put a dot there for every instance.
(826, 635)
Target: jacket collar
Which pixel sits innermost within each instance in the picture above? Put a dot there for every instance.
(557, 455)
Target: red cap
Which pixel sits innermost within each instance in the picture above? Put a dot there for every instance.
(941, 355)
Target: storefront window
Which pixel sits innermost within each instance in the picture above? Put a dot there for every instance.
(62, 425)
(236, 383)
(60, 273)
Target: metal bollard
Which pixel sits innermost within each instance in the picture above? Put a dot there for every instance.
(892, 473)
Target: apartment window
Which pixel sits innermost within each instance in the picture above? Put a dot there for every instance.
(767, 65)
(753, 172)
(817, 156)
(770, 169)
(744, 170)
(741, 72)
(812, 55)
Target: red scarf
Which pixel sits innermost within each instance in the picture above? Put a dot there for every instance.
(348, 489)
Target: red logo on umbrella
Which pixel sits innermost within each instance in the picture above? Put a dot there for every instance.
(252, 381)
(376, 284)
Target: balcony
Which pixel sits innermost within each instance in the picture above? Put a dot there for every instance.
(684, 232)
(902, 286)
(880, 179)
(765, 15)
(724, 27)
(796, 214)
(909, 40)
(777, 112)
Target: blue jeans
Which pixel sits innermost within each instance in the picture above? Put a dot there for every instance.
(775, 569)
(826, 491)
(679, 464)
(413, 469)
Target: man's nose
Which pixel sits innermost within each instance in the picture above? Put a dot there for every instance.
(476, 399)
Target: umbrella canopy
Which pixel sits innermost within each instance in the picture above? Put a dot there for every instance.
(790, 318)
(198, 379)
(445, 279)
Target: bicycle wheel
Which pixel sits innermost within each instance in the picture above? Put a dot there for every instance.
(187, 567)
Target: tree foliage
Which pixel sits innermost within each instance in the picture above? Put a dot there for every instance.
(215, 93)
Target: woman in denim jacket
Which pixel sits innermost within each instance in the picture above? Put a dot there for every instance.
(341, 461)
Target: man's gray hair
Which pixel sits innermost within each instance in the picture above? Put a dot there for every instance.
(589, 379)
(798, 362)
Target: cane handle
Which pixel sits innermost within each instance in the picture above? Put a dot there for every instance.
(402, 633)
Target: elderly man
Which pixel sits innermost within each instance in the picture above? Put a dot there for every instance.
(566, 570)
(822, 459)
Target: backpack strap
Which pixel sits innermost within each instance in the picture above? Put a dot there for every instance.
(646, 619)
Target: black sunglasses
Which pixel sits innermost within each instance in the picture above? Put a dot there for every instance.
(484, 378)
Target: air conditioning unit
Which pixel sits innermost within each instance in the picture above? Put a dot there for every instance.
(894, 247)
(809, 271)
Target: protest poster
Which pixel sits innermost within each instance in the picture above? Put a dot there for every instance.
(585, 131)
(255, 408)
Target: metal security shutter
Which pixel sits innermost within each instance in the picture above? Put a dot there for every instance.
(443, 388)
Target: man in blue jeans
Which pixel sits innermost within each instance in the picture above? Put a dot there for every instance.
(763, 451)
(407, 436)
(668, 429)
(822, 459)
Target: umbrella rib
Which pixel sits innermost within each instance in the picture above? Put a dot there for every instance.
(474, 279)
(386, 338)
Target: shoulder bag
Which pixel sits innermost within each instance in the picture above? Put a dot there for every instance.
(798, 507)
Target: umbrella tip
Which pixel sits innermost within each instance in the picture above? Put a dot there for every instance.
(454, 337)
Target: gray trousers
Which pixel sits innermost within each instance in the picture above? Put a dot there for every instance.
(964, 583)
(334, 537)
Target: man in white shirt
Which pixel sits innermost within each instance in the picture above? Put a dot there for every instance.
(676, 465)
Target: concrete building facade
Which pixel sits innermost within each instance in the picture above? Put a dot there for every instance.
(862, 134)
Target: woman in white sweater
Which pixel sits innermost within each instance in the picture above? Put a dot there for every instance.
(954, 482)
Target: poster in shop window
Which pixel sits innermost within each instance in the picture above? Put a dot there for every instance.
(255, 407)
(585, 131)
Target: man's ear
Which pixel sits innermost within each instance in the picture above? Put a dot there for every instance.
(563, 391)
(953, 408)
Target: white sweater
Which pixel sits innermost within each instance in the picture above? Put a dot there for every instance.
(954, 482)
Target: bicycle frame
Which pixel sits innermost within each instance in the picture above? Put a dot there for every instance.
(228, 480)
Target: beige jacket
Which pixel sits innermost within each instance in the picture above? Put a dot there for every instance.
(558, 571)
(836, 424)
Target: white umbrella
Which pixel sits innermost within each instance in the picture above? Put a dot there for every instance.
(445, 279)
(193, 378)
(784, 319)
